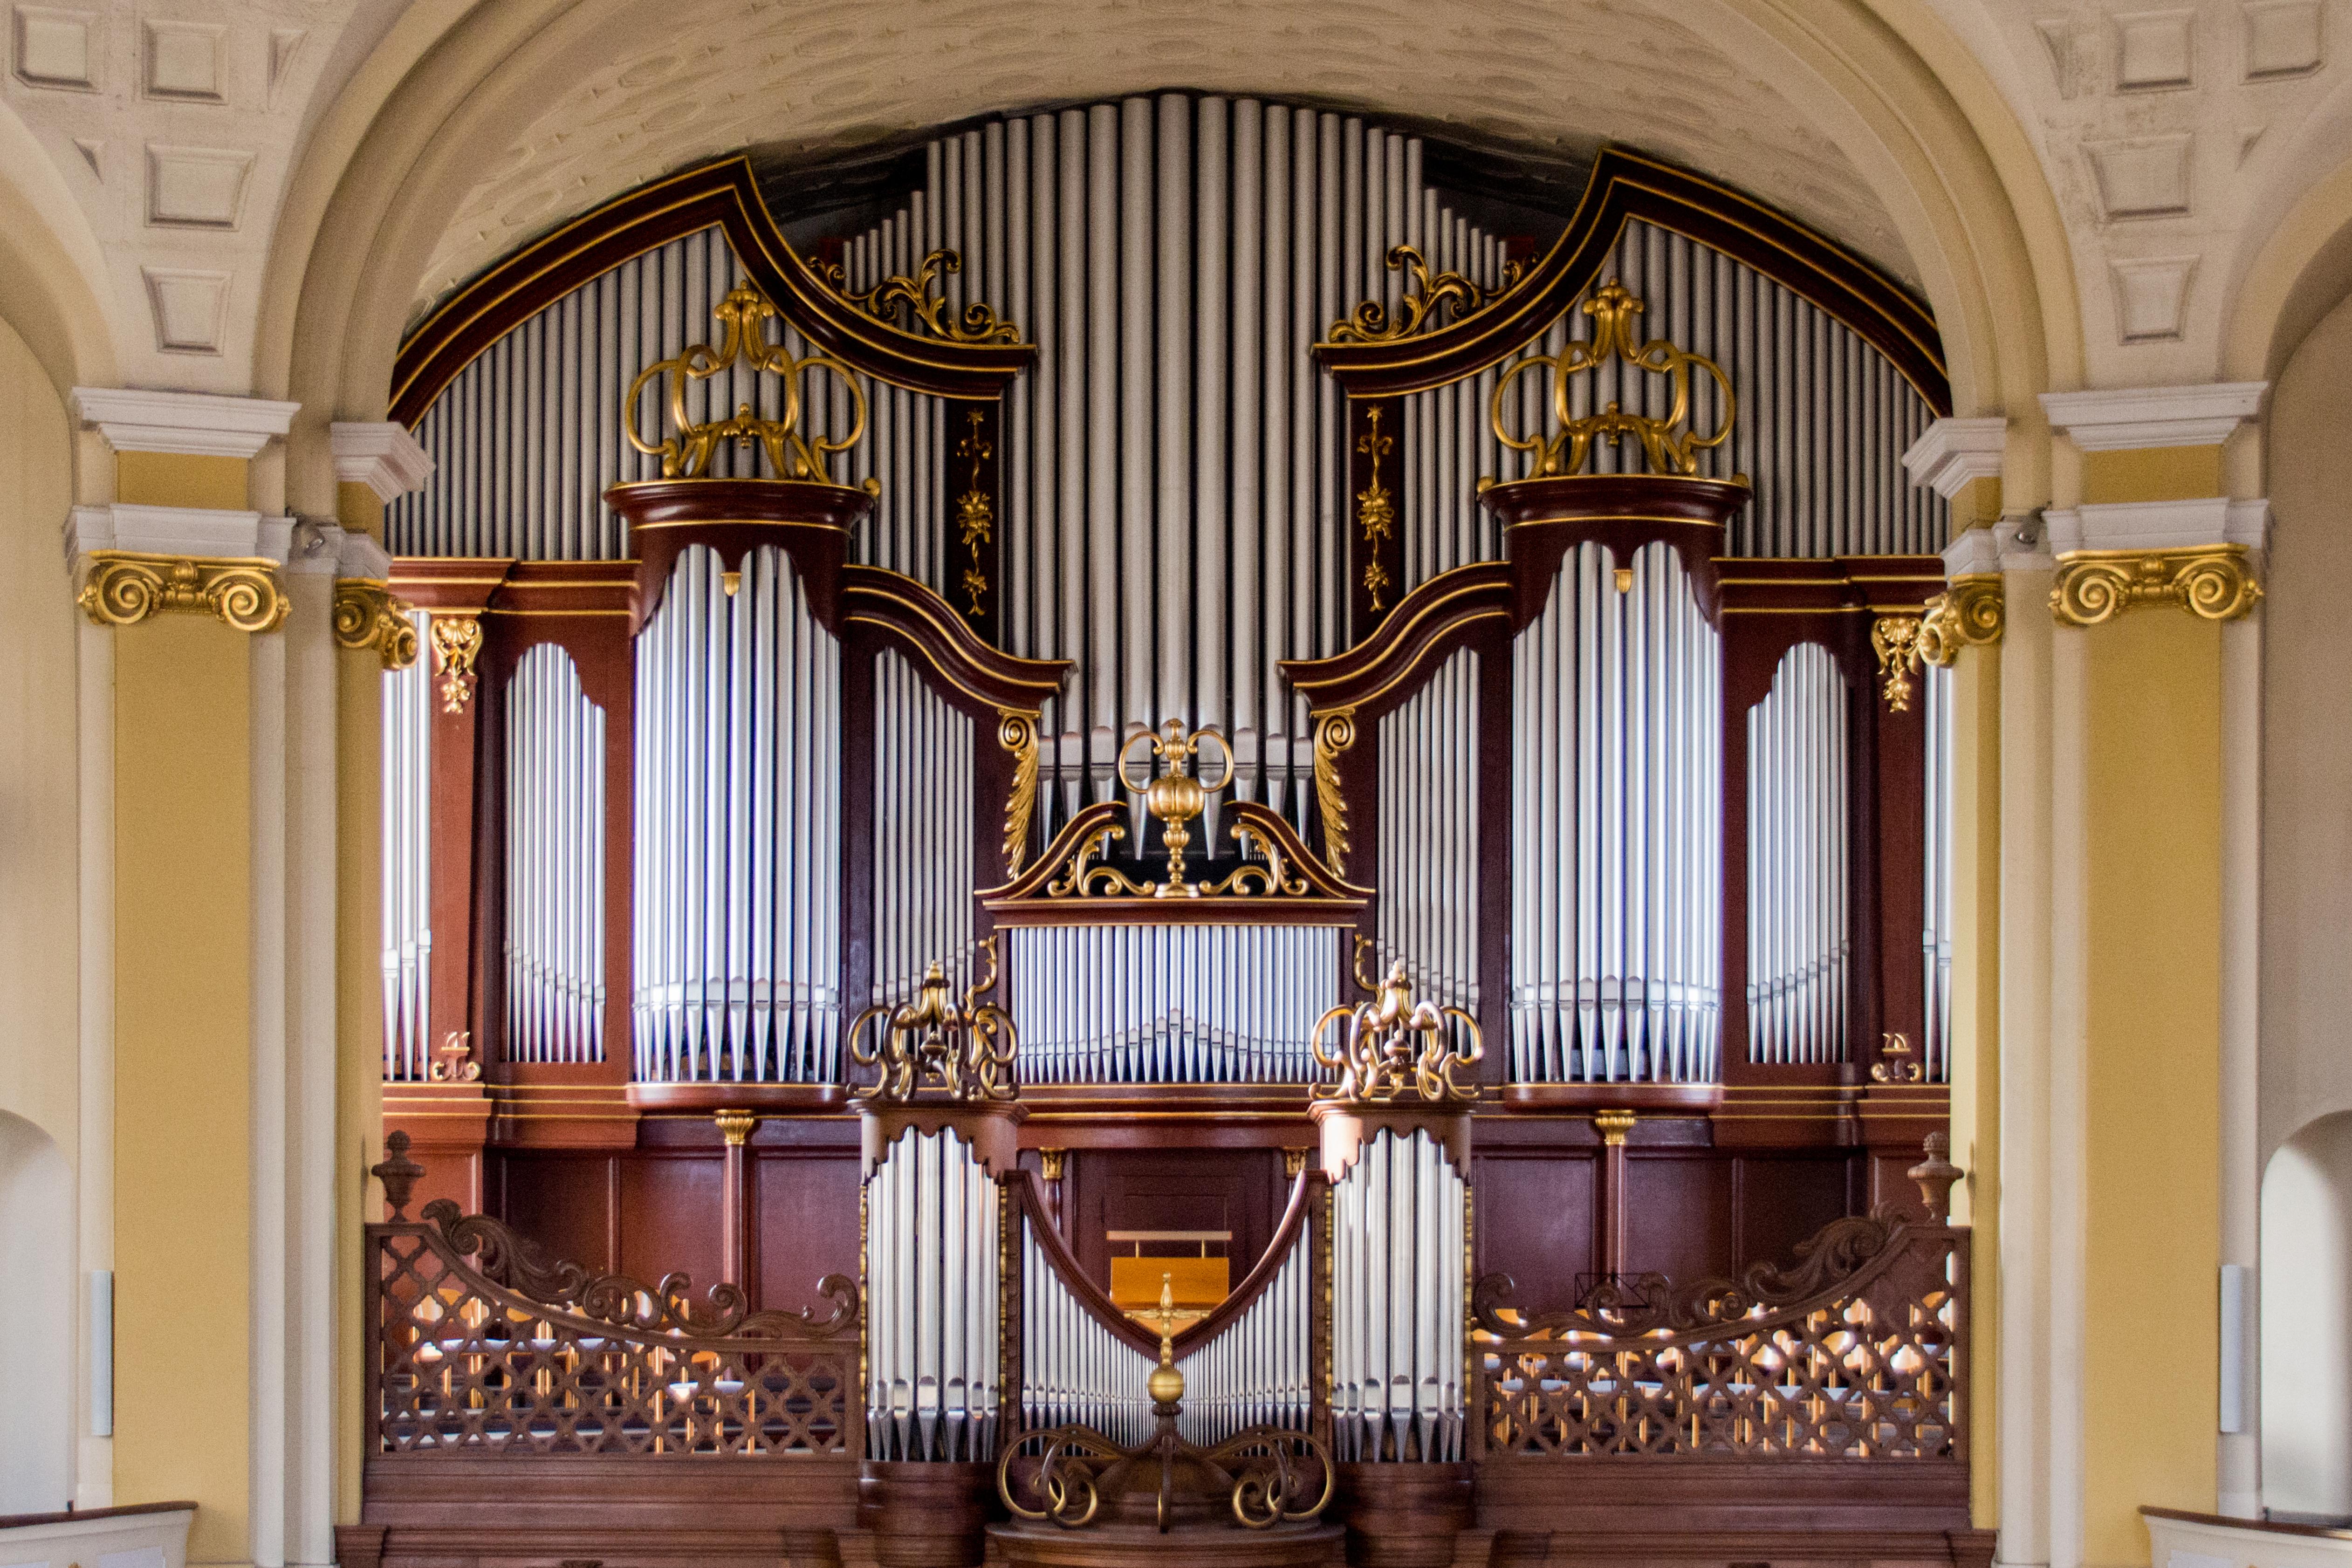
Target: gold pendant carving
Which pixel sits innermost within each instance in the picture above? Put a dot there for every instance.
(2213, 583)
(125, 587)
(1895, 639)
(456, 643)
(1017, 732)
(1971, 612)
(1335, 732)
(368, 616)
(1375, 505)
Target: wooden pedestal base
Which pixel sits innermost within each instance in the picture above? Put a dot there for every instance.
(1404, 1515)
(925, 1515)
(1022, 1544)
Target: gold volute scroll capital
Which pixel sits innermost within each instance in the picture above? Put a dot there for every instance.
(367, 617)
(123, 588)
(2213, 583)
(1612, 1126)
(1971, 613)
(735, 1126)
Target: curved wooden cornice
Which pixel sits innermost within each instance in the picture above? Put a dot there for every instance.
(810, 522)
(926, 626)
(725, 194)
(1626, 185)
(1426, 626)
(1543, 519)
(1098, 1304)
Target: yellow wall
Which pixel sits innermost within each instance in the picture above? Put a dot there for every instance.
(177, 479)
(2152, 776)
(182, 996)
(2152, 473)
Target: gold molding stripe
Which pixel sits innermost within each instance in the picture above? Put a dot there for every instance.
(368, 616)
(1971, 613)
(2213, 583)
(123, 588)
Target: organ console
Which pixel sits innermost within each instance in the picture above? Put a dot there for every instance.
(1380, 690)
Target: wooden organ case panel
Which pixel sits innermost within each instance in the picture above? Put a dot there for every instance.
(1165, 676)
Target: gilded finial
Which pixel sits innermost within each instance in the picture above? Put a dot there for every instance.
(966, 1049)
(1166, 1385)
(1669, 445)
(1394, 1047)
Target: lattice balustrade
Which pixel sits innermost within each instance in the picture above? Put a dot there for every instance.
(513, 1353)
(1855, 1353)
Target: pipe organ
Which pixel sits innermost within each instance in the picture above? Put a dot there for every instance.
(1271, 605)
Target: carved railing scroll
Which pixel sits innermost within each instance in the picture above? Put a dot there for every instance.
(479, 1343)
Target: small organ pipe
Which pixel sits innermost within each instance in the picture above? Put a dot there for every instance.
(407, 717)
(555, 846)
(1798, 942)
(932, 1378)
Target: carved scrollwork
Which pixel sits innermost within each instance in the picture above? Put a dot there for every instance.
(1394, 1048)
(517, 1264)
(1895, 639)
(126, 587)
(367, 616)
(1971, 612)
(966, 1050)
(2211, 582)
(1669, 445)
(1651, 1303)
(922, 303)
(456, 643)
(1017, 732)
(1335, 732)
(794, 454)
(1432, 300)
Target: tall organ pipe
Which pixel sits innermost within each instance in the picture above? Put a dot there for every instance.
(1936, 936)
(1400, 1233)
(738, 919)
(1616, 828)
(932, 1378)
(408, 864)
(1798, 945)
(555, 863)
(922, 832)
(1428, 854)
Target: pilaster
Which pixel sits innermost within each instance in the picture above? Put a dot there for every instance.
(2156, 571)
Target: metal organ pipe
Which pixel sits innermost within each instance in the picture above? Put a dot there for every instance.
(1258, 1370)
(1936, 937)
(1400, 1235)
(1616, 826)
(1428, 910)
(1171, 1004)
(555, 863)
(931, 1302)
(737, 918)
(1797, 932)
(408, 864)
(922, 832)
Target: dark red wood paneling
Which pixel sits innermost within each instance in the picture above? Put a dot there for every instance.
(561, 1201)
(1535, 1220)
(1677, 1213)
(671, 1209)
(1780, 1202)
(803, 1224)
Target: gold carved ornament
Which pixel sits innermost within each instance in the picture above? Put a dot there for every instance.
(1375, 507)
(1895, 639)
(368, 616)
(1173, 797)
(1897, 1062)
(964, 1049)
(975, 519)
(922, 302)
(1335, 732)
(456, 643)
(1394, 1048)
(686, 453)
(1432, 300)
(453, 1060)
(1017, 732)
(1969, 613)
(2213, 583)
(125, 587)
(1668, 445)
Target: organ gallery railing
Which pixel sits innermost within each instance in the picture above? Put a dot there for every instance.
(1857, 1350)
(479, 1341)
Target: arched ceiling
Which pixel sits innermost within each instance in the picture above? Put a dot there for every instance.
(821, 78)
